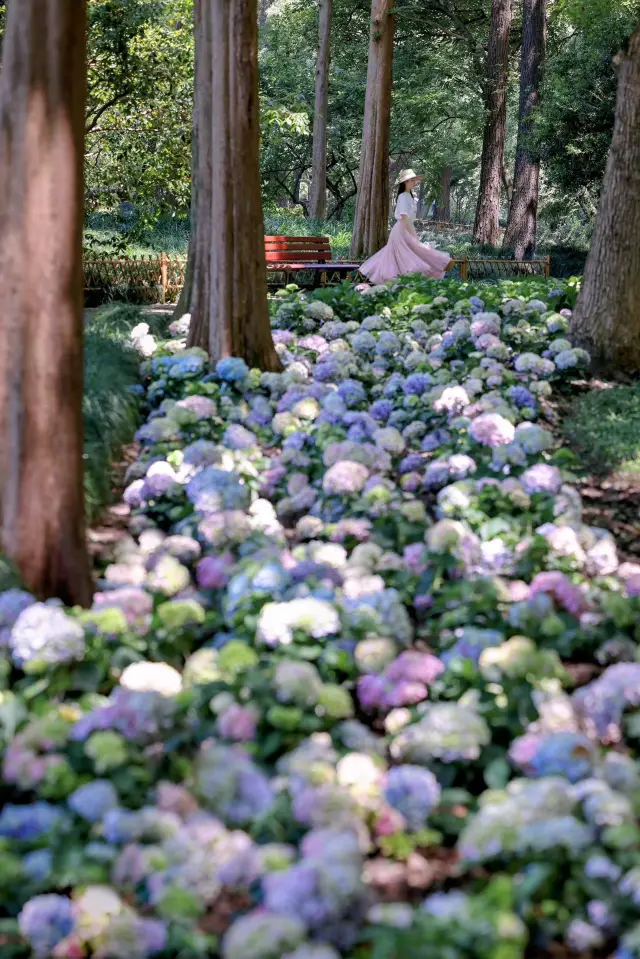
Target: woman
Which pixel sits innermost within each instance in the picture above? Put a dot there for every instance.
(404, 253)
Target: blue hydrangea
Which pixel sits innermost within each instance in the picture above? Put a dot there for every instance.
(94, 800)
(231, 785)
(470, 644)
(381, 410)
(37, 865)
(414, 792)
(212, 490)
(29, 821)
(522, 397)
(232, 369)
(45, 921)
(417, 383)
(352, 392)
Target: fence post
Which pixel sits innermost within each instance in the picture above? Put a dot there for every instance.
(164, 276)
(547, 266)
(464, 269)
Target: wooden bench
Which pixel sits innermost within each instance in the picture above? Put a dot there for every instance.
(289, 255)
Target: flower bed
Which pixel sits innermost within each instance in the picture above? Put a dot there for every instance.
(361, 683)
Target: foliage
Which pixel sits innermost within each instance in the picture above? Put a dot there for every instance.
(576, 122)
(604, 425)
(111, 410)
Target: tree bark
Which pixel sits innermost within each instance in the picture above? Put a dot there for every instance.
(230, 313)
(42, 102)
(607, 316)
(443, 209)
(196, 286)
(318, 193)
(520, 234)
(371, 222)
(487, 225)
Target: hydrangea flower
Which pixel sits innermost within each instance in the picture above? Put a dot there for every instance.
(557, 754)
(232, 369)
(414, 792)
(231, 785)
(491, 429)
(93, 801)
(45, 921)
(43, 635)
(263, 935)
(449, 732)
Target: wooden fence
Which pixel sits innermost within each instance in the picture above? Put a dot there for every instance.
(442, 226)
(158, 278)
(155, 278)
(484, 269)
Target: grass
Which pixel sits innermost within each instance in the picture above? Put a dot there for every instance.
(111, 410)
(603, 426)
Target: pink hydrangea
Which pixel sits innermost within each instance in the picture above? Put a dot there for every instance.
(563, 591)
(237, 723)
(491, 429)
(452, 400)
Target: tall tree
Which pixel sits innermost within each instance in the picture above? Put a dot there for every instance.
(487, 225)
(370, 228)
(318, 195)
(42, 104)
(443, 207)
(230, 313)
(520, 234)
(196, 273)
(607, 316)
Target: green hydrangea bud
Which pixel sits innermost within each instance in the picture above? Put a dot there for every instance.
(107, 749)
(336, 702)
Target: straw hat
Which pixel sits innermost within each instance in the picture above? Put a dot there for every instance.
(407, 175)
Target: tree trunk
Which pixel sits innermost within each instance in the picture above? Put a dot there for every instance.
(371, 222)
(318, 194)
(487, 225)
(183, 305)
(42, 102)
(607, 317)
(520, 234)
(196, 285)
(421, 199)
(230, 313)
(443, 209)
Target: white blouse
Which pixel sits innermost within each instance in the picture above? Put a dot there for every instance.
(406, 206)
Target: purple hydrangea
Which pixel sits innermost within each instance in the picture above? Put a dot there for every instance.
(542, 478)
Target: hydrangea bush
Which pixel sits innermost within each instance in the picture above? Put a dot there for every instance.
(325, 703)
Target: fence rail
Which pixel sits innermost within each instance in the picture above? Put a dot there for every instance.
(160, 277)
(443, 226)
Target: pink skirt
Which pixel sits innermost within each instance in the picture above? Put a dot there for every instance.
(404, 254)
